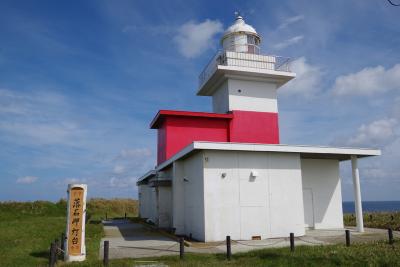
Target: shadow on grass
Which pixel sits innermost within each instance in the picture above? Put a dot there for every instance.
(40, 254)
(269, 255)
(300, 258)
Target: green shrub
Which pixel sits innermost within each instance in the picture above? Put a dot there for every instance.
(381, 220)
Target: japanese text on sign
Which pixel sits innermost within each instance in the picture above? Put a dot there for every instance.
(75, 220)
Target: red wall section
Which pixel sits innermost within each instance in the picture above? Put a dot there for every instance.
(177, 129)
(254, 127)
(177, 132)
(161, 143)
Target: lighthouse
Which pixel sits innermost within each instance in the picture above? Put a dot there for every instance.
(225, 172)
(243, 86)
(244, 83)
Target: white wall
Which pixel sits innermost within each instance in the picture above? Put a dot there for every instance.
(178, 198)
(321, 177)
(269, 205)
(194, 196)
(144, 201)
(220, 99)
(148, 202)
(164, 207)
(221, 194)
(164, 200)
(141, 201)
(286, 196)
(155, 203)
(245, 95)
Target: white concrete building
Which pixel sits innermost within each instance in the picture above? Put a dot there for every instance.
(225, 173)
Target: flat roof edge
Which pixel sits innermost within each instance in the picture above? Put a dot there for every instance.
(302, 149)
(146, 176)
(208, 87)
(288, 148)
(180, 113)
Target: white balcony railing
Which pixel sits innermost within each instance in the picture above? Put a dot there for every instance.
(247, 60)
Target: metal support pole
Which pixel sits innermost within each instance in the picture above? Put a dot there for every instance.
(52, 256)
(62, 245)
(347, 238)
(228, 248)
(57, 249)
(106, 251)
(106, 216)
(291, 242)
(125, 215)
(181, 248)
(357, 194)
(62, 241)
(390, 233)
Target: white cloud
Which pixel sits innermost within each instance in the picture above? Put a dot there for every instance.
(43, 132)
(195, 38)
(36, 117)
(14, 102)
(396, 108)
(290, 20)
(74, 181)
(118, 169)
(375, 173)
(368, 81)
(131, 163)
(135, 153)
(92, 182)
(307, 79)
(288, 42)
(376, 133)
(122, 182)
(27, 180)
(151, 29)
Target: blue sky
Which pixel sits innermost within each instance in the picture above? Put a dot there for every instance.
(81, 80)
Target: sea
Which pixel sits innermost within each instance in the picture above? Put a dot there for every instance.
(372, 206)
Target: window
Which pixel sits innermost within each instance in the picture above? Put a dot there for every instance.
(251, 39)
(252, 44)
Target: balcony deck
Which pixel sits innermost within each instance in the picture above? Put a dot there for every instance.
(244, 61)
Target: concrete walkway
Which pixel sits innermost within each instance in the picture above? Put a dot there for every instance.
(134, 240)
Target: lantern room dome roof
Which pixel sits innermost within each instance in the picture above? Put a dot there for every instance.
(239, 26)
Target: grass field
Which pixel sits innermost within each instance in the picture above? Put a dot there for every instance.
(26, 230)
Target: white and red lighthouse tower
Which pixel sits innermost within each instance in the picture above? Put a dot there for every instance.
(226, 173)
(243, 85)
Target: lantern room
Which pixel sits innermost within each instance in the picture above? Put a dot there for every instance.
(241, 37)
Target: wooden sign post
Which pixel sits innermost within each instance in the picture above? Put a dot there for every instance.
(75, 249)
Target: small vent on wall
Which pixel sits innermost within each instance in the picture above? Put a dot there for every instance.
(256, 237)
